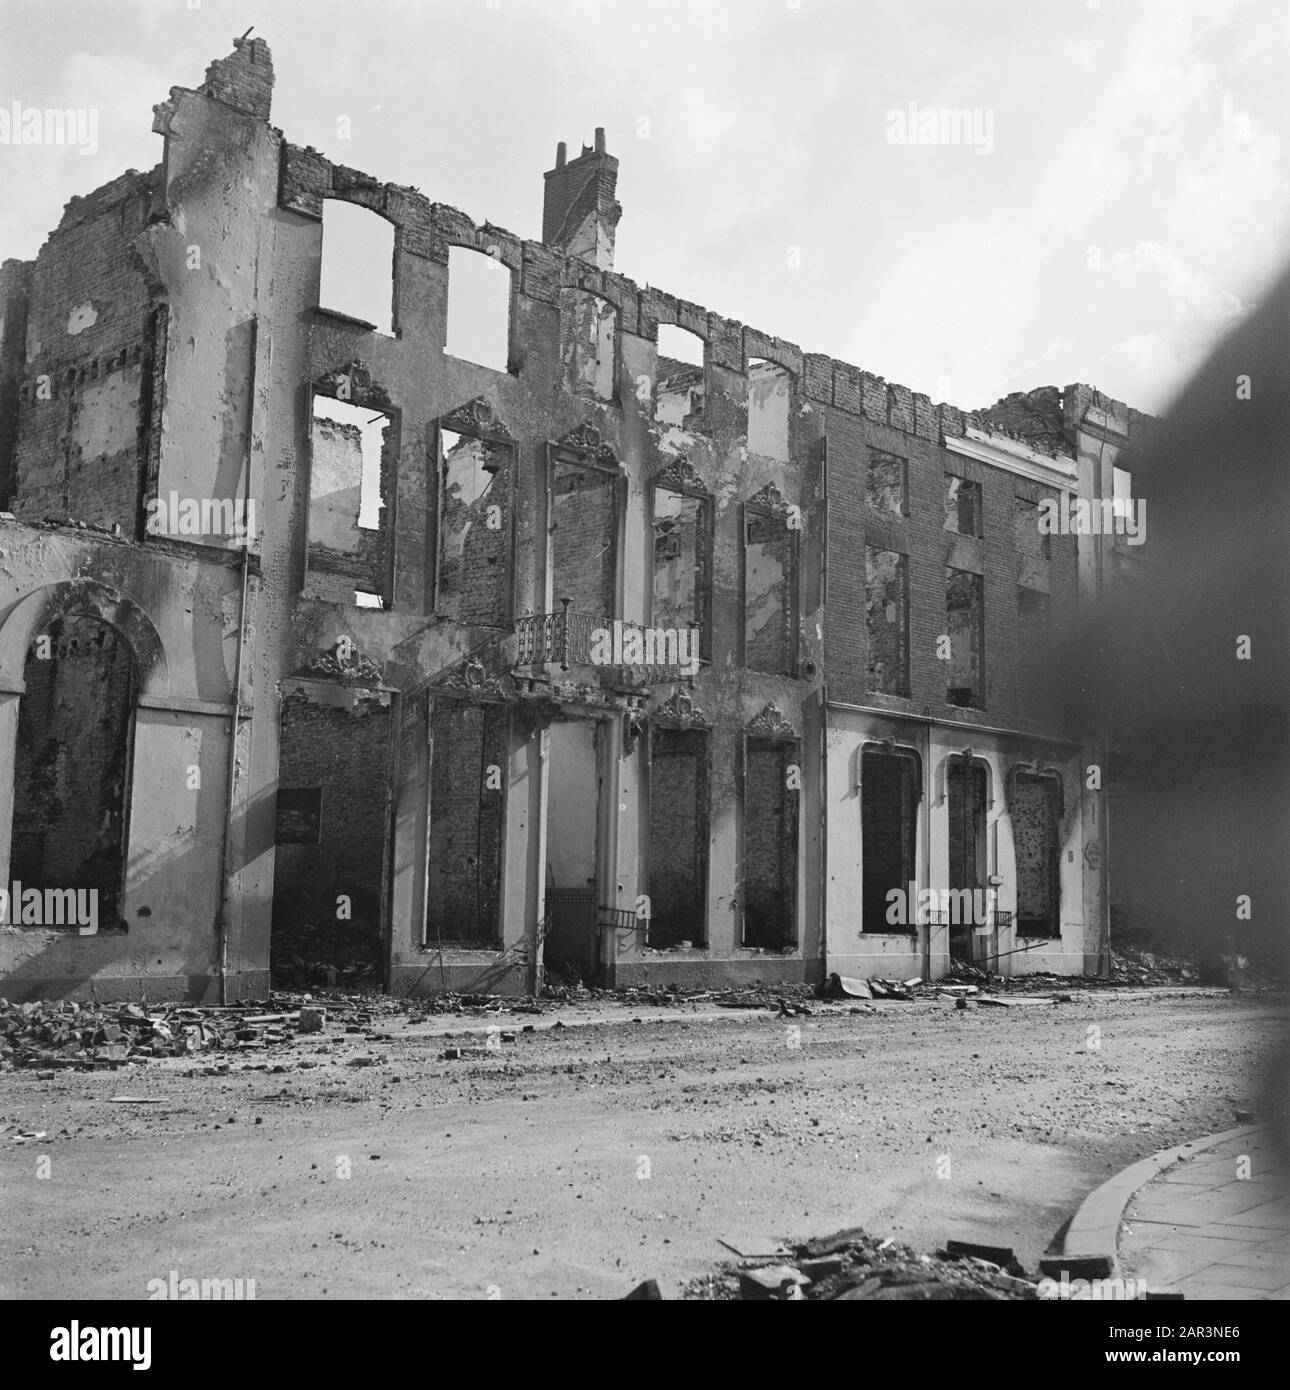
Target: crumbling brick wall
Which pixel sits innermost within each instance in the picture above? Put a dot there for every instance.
(922, 538)
(84, 401)
(474, 533)
(583, 539)
(72, 762)
(677, 835)
(466, 822)
(346, 752)
(770, 845)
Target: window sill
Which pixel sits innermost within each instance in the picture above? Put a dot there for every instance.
(351, 321)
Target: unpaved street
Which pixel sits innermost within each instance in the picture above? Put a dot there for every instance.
(581, 1159)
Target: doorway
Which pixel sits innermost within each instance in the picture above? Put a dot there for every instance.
(570, 949)
(966, 798)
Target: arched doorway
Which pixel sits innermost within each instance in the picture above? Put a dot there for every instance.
(72, 760)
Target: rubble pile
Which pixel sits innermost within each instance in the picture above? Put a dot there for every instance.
(853, 1265)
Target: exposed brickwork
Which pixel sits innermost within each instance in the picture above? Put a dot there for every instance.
(770, 844)
(466, 822)
(474, 573)
(678, 828)
(929, 548)
(346, 753)
(244, 79)
(582, 539)
(71, 765)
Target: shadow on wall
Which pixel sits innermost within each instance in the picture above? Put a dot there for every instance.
(1190, 668)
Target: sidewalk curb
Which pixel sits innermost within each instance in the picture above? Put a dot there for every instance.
(1095, 1227)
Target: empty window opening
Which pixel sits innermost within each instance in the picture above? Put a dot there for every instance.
(966, 806)
(364, 598)
(570, 948)
(333, 766)
(886, 607)
(886, 483)
(72, 765)
(770, 393)
(770, 845)
(682, 549)
(1122, 491)
(590, 339)
(890, 788)
(357, 273)
(962, 506)
(769, 577)
(1036, 831)
(479, 309)
(474, 529)
(584, 538)
(346, 478)
(678, 837)
(679, 390)
(1034, 647)
(963, 626)
(467, 813)
(350, 464)
(1122, 506)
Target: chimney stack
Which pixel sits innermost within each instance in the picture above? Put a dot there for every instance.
(579, 211)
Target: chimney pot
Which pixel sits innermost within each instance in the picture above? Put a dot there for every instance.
(580, 212)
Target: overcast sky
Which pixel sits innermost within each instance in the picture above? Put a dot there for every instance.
(1125, 201)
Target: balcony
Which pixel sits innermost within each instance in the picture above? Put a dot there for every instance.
(648, 655)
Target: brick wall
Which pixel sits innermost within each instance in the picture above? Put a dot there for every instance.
(769, 635)
(72, 763)
(474, 556)
(678, 791)
(465, 868)
(81, 437)
(583, 539)
(346, 753)
(921, 536)
(770, 845)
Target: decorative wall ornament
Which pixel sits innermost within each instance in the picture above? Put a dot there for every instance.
(473, 679)
(771, 500)
(679, 476)
(586, 439)
(353, 382)
(344, 663)
(771, 723)
(680, 712)
(477, 417)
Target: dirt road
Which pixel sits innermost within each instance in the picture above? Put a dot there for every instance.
(579, 1160)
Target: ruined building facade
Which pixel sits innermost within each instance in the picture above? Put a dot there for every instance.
(485, 634)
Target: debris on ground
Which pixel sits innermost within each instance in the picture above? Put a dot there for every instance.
(856, 1266)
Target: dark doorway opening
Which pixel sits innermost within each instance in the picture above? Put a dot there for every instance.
(330, 833)
(570, 946)
(1036, 824)
(889, 796)
(72, 762)
(966, 797)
